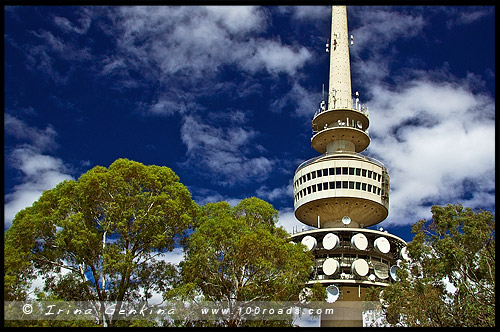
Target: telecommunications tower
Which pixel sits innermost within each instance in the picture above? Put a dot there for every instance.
(341, 192)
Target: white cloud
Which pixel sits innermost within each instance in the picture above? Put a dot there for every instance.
(80, 27)
(221, 153)
(372, 52)
(274, 57)
(434, 131)
(311, 12)
(302, 101)
(51, 47)
(279, 194)
(435, 137)
(198, 40)
(382, 26)
(173, 257)
(239, 19)
(41, 172)
(42, 139)
(288, 221)
(203, 196)
(188, 47)
(467, 17)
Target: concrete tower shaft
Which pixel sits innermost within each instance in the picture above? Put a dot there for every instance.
(340, 96)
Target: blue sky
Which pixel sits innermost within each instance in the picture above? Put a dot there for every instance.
(225, 97)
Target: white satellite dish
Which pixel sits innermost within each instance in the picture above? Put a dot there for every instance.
(404, 254)
(332, 293)
(330, 241)
(382, 245)
(346, 220)
(330, 266)
(392, 272)
(360, 267)
(371, 277)
(309, 242)
(359, 241)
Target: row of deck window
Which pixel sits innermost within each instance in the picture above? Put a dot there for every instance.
(337, 171)
(338, 185)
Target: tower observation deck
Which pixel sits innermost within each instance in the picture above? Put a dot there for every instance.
(341, 191)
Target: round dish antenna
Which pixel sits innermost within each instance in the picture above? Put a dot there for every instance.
(346, 220)
(330, 241)
(332, 293)
(382, 245)
(330, 266)
(359, 241)
(309, 242)
(392, 272)
(360, 267)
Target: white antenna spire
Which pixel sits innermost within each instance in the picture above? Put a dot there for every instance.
(340, 70)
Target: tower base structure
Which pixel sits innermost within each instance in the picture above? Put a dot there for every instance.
(345, 314)
(349, 261)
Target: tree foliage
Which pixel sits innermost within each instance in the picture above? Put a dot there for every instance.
(238, 254)
(450, 278)
(106, 232)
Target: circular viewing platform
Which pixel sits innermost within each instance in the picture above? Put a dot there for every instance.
(340, 125)
(346, 115)
(341, 184)
(358, 137)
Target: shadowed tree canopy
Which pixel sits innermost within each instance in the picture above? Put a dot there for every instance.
(100, 238)
(238, 255)
(450, 278)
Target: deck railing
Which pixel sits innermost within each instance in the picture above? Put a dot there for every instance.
(341, 154)
(362, 108)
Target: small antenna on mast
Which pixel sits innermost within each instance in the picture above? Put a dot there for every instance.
(322, 105)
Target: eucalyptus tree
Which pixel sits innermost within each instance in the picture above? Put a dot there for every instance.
(239, 255)
(100, 238)
(450, 277)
